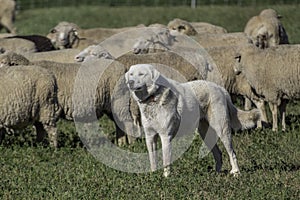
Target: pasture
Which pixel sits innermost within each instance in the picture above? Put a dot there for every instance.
(269, 162)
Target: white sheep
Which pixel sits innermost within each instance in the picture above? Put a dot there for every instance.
(69, 35)
(204, 27)
(66, 74)
(222, 39)
(29, 97)
(234, 84)
(181, 26)
(18, 45)
(273, 73)
(193, 28)
(63, 55)
(266, 30)
(7, 15)
(160, 41)
(93, 50)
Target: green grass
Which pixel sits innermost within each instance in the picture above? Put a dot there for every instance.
(269, 162)
(233, 18)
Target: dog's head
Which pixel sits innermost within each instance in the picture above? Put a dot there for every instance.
(141, 80)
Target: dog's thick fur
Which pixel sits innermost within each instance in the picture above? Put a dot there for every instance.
(169, 108)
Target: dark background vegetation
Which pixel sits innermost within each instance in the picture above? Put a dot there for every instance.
(269, 161)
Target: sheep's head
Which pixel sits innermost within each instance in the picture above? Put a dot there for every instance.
(95, 51)
(12, 59)
(181, 26)
(64, 35)
(141, 46)
(270, 13)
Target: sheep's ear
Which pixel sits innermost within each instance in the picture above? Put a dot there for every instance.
(238, 57)
(53, 30)
(75, 31)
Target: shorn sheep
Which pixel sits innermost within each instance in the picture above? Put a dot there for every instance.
(273, 73)
(28, 97)
(7, 15)
(266, 30)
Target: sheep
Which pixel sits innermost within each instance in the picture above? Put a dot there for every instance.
(70, 35)
(181, 26)
(224, 39)
(266, 30)
(10, 58)
(66, 75)
(7, 15)
(29, 97)
(63, 55)
(203, 27)
(42, 43)
(193, 28)
(275, 84)
(161, 41)
(17, 45)
(93, 50)
(234, 84)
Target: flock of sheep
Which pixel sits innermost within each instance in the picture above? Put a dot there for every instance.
(39, 72)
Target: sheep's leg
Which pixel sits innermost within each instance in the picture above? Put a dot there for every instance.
(282, 109)
(8, 25)
(274, 110)
(260, 104)
(248, 103)
(2, 134)
(120, 136)
(210, 139)
(40, 131)
(167, 153)
(151, 142)
(52, 135)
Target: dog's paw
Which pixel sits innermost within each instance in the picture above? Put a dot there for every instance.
(235, 173)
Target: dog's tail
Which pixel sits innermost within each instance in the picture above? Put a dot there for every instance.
(240, 119)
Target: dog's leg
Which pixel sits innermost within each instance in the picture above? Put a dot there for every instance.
(166, 149)
(225, 137)
(210, 138)
(151, 142)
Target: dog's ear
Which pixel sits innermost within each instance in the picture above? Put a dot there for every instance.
(154, 74)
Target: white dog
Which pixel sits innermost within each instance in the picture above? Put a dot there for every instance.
(169, 108)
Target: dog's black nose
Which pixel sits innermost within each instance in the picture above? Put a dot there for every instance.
(131, 83)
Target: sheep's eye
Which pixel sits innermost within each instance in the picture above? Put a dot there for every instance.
(238, 58)
(141, 74)
(53, 31)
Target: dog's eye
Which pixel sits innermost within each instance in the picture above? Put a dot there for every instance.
(141, 74)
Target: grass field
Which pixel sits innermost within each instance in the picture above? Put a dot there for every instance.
(269, 162)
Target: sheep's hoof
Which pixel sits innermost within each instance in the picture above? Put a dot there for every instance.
(167, 172)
